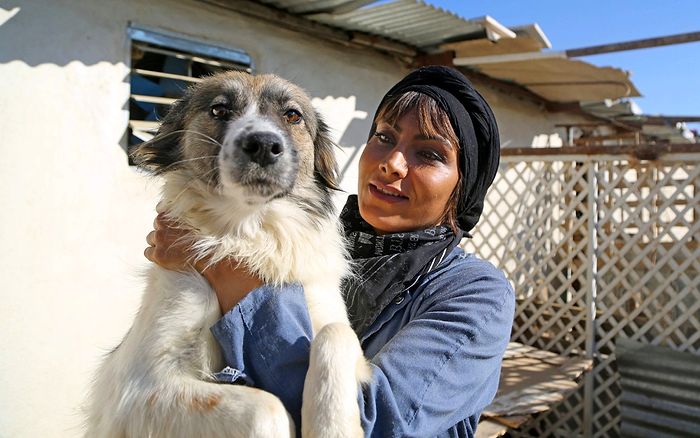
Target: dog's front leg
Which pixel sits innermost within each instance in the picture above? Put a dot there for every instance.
(337, 368)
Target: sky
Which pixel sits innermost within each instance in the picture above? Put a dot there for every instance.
(668, 77)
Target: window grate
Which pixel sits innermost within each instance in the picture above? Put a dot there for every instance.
(163, 65)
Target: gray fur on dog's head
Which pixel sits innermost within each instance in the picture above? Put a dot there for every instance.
(206, 132)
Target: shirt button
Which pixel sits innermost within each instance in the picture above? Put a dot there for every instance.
(399, 299)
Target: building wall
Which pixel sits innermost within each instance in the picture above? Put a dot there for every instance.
(75, 215)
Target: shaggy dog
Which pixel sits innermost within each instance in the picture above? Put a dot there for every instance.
(248, 166)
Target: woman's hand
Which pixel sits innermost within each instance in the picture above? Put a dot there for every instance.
(169, 248)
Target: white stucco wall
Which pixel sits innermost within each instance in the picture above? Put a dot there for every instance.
(75, 215)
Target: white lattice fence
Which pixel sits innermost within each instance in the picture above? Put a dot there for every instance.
(599, 245)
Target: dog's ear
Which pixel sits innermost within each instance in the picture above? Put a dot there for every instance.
(325, 165)
(163, 152)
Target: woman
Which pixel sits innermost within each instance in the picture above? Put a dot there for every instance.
(433, 321)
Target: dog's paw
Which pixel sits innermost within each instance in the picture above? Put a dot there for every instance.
(336, 366)
(271, 420)
(337, 343)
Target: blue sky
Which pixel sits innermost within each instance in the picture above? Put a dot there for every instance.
(668, 77)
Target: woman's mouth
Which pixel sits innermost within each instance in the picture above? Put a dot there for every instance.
(387, 194)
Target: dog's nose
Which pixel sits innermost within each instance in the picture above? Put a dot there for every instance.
(263, 148)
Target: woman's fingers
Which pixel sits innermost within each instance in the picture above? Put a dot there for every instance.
(151, 238)
(168, 245)
(149, 253)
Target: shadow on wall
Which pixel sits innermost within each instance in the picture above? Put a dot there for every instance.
(349, 126)
(62, 36)
(57, 44)
(59, 36)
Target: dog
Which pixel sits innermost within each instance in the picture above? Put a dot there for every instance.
(248, 165)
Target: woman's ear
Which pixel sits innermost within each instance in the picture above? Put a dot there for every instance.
(325, 165)
(163, 152)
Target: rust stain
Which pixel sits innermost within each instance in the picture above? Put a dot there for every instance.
(206, 403)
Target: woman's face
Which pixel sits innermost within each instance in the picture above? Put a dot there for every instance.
(405, 179)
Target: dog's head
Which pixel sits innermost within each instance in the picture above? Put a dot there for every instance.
(252, 137)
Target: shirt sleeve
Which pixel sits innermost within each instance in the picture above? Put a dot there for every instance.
(439, 369)
(266, 340)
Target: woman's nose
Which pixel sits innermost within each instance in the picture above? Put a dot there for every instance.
(395, 163)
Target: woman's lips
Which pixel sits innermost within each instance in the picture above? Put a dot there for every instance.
(386, 194)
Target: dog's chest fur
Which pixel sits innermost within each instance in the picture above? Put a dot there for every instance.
(280, 241)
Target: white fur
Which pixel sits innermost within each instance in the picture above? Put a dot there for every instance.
(158, 382)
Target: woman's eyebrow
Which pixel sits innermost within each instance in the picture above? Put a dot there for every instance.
(420, 137)
(441, 139)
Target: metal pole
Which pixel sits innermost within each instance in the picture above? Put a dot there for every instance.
(589, 380)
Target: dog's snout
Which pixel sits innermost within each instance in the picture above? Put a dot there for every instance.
(263, 148)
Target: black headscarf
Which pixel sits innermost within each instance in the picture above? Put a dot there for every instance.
(475, 126)
(387, 266)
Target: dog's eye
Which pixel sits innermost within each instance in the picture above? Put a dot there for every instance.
(292, 116)
(219, 111)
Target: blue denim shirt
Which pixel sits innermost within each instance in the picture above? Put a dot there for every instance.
(435, 352)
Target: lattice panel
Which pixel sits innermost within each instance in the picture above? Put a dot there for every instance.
(535, 228)
(648, 254)
(645, 265)
(648, 257)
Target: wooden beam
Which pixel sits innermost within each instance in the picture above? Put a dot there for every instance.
(442, 58)
(583, 51)
(379, 43)
(634, 45)
(642, 152)
(509, 57)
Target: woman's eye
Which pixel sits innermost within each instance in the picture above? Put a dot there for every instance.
(220, 111)
(293, 117)
(432, 156)
(382, 137)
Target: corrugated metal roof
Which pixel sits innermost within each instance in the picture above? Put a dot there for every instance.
(416, 24)
(660, 390)
(408, 21)
(654, 127)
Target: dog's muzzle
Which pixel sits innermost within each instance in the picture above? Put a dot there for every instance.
(259, 160)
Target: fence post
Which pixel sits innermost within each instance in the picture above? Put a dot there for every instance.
(589, 380)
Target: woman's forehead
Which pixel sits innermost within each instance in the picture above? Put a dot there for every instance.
(428, 128)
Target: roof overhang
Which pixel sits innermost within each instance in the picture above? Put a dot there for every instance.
(555, 78)
(417, 32)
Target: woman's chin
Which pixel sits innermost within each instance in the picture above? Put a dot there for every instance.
(384, 224)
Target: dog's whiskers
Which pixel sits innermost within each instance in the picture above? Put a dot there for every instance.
(187, 160)
(191, 131)
(195, 181)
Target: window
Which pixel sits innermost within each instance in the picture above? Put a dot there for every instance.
(162, 67)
